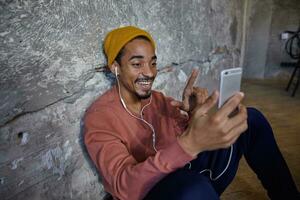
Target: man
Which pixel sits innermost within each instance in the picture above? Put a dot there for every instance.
(145, 148)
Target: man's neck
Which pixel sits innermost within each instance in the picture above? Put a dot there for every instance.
(135, 108)
(133, 103)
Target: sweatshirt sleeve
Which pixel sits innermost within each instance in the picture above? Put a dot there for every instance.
(122, 175)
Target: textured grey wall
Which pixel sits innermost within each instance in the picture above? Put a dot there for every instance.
(266, 20)
(49, 51)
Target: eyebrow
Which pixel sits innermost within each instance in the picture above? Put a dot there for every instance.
(141, 57)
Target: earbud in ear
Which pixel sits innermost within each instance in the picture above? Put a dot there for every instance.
(116, 71)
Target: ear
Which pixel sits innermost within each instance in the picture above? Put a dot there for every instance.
(114, 68)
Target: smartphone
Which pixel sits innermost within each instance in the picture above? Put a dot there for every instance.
(230, 83)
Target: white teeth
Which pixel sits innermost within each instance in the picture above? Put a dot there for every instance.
(144, 82)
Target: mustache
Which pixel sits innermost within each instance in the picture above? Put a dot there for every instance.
(144, 79)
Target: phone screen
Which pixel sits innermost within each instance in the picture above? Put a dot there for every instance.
(230, 83)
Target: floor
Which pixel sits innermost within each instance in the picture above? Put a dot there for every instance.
(283, 112)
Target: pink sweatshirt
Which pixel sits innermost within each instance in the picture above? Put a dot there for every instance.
(121, 146)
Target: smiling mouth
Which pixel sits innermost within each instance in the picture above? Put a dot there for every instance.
(146, 84)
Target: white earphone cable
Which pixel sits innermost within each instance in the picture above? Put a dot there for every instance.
(210, 171)
(141, 113)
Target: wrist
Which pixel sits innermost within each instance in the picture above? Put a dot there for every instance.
(185, 142)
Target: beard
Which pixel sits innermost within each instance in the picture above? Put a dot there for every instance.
(144, 96)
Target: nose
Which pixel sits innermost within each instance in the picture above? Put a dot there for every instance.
(148, 70)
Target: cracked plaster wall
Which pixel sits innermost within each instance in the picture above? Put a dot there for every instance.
(51, 69)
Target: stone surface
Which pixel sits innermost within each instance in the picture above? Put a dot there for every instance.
(51, 70)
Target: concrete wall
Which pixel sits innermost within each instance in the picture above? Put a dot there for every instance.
(51, 70)
(286, 16)
(264, 51)
(259, 20)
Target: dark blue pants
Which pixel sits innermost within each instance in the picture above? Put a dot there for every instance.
(258, 146)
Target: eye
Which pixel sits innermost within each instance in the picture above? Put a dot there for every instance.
(136, 64)
(154, 64)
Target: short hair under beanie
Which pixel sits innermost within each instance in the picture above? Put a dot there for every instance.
(116, 39)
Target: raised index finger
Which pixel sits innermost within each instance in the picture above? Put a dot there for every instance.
(192, 79)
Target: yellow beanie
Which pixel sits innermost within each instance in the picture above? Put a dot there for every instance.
(118, 38)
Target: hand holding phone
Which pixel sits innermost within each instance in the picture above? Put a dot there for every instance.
(230, 84)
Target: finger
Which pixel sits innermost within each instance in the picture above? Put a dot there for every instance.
(188, 90)
(208, 104)
(236, 132)
(192, 79)
(232, 141)
(238, 119)
(231, 104)
(176, 103)
(201, 94)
